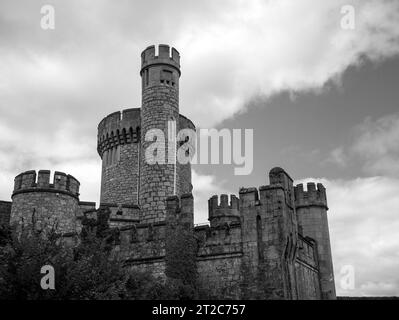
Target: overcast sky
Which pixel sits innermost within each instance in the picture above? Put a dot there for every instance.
(322, 101)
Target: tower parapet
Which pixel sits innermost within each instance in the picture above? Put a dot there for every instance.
(312, 197)
(224, 212)
(29, 181)
(118, 128)
(165, 56)
(37, 201)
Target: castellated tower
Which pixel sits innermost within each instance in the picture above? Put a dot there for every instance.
(46, 205)
(119, 149)
(160, 107)
(138, 146)
(311, 208)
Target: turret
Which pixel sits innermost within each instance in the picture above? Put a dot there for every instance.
(163, 68)
(119, 148)
(311, 210)
(159, 126)
(224, 212)
(45, 204)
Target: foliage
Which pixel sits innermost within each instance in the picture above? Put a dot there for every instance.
(181, 265)
(87, 271)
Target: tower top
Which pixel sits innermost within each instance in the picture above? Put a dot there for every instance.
(165, 56)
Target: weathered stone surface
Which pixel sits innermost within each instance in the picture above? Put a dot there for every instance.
(5, 212)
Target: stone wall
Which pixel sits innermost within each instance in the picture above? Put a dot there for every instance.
(307, 270)
(120, 180)
(5, 212)
(221, 276)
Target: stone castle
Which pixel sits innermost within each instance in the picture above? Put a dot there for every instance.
(278, 231)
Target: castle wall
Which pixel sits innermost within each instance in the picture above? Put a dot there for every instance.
(5, 212)
(142, 246)
(307, 270)
(221, 275)
(219, 260)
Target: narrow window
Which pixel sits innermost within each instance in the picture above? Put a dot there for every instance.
(105, 155)
(259, 237)
(118, 154)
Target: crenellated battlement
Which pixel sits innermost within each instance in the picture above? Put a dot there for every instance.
(312, 197)
(223, 211)
(29, 181)
(118, 128)
(166, 55)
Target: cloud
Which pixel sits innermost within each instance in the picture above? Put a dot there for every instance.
(337, 156)
(62, 150)
(363, 223)
(231, 51)
(264, 47)
(377, 142)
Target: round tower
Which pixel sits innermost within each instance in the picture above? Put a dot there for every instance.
(45, 205)
(311, 209)
(119, 148)
(128, 142)
(159, 125)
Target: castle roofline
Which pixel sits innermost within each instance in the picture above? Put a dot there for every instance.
(139, 111)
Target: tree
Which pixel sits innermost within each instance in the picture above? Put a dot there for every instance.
(86, 271)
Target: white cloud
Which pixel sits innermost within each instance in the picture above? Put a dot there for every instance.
(231, 51)
(338, 157)
(62, 150)
(364, 221)
(263, 47)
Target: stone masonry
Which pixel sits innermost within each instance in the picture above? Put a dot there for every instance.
(270, 242)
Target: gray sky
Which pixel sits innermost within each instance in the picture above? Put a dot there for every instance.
(322, 101)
